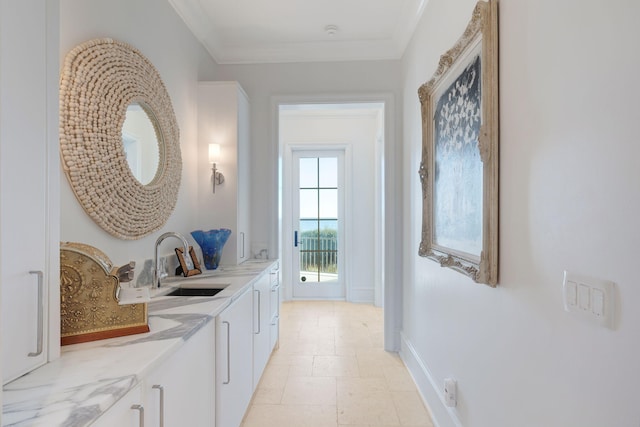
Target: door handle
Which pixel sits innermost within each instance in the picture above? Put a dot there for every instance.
(295, 238)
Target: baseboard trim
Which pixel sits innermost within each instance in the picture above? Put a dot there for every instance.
(429, 390)
(361, 295)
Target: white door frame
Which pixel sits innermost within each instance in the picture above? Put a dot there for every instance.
(388, 258)
(287, 217)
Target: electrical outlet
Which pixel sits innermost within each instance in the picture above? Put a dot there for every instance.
(450, 392)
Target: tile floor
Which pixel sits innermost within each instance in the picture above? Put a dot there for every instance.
(331, 370)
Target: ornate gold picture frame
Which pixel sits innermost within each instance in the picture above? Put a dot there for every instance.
(459, 168)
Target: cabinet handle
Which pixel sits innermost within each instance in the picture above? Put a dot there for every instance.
(242, 236)
(276, 288)
(39, 339)
(228, 352)
(140, 409)
(258, 310)
(161, 390)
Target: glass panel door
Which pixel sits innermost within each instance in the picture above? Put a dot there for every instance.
(317, 214)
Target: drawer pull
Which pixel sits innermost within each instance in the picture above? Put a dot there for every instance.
(228, 352)
(161, 390)
(258, 310)
(140, 409)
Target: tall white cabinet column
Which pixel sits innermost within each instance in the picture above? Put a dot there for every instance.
(29, 185)
(223, 118)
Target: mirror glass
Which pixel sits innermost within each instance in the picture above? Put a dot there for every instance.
(141, 145)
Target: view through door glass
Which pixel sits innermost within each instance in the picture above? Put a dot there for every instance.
(318, 219)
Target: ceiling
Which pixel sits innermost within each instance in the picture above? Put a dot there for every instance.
(270, 31)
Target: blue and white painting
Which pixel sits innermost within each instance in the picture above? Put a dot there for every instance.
(458, 167)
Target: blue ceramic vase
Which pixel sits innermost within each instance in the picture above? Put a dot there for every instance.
(211, 242)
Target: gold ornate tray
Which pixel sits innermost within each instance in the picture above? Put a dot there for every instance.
(89, 308)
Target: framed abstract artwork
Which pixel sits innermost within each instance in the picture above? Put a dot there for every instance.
(459, 168)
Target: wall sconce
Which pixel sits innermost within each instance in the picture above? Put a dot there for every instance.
(217, 177)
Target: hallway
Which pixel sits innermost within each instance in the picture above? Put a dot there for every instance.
(331, 370)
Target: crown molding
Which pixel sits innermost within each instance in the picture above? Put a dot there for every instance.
(198, 21)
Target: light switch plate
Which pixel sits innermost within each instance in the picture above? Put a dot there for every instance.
(589, 297)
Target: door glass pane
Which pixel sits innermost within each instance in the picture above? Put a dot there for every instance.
(308, 173)
(308, 227)
(328, 205)
(328, 172)
(328, 242)
(309, 204)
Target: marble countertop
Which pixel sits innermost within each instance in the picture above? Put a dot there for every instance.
(89, 378)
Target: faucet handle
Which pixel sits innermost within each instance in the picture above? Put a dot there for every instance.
(126, 272)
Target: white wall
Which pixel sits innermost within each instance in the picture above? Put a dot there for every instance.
(569, 200)
(156, 30)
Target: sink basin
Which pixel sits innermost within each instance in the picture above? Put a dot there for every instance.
(194, 292)
(204, 283)
(199, 288)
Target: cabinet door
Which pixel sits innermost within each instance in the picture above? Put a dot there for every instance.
(127, 412)
(261, 326)
(180, 392)
(244, 178)
(23, 185)
(223, 109)
(234, 380)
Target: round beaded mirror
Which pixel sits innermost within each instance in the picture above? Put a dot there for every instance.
(101, 78)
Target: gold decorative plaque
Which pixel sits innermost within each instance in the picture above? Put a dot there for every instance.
(89, 307)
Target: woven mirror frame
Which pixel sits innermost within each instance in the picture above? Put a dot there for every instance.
(99, 80)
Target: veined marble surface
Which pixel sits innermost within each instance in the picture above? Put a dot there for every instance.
(88, 378)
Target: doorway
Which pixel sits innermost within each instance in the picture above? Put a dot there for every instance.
(340, 258)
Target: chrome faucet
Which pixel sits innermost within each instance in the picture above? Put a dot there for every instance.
(157, 270)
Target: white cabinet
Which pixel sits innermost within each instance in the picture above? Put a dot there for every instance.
(261, 326)
(223, 118)
(274, 325)
(29, 179)
(234, 342)
(127, 412)
(244, 177)
(180, 392)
